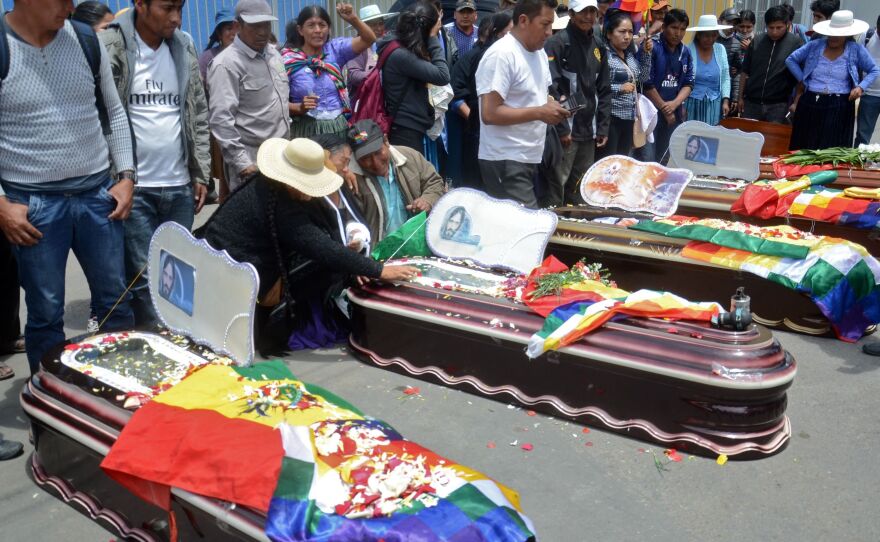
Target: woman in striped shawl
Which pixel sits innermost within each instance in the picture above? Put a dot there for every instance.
(318, 95)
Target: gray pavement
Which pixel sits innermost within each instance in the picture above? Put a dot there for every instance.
(576, 486)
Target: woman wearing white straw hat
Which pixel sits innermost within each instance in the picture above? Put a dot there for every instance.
(830, 69)
(279, 223)
(709, 101)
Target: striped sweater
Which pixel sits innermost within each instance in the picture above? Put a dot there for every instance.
(49, 127)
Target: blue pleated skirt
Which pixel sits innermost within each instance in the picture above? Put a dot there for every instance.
(705, 110)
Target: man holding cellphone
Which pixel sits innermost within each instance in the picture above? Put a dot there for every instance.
(579, 69)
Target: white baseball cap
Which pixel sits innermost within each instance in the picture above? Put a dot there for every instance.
(579, 5)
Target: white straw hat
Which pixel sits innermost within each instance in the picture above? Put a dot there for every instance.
(708, 23)
(373, 12)
(298, 163)
(842, 23)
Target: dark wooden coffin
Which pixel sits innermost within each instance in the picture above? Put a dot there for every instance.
(847, 176)
(683, 385)
(75, 419)
(646, 260)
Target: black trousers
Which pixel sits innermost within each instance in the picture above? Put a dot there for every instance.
(407, 137)
(10, 326)
(822, 121)
(620, 138)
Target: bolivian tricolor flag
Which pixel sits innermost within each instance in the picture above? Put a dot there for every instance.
(258, 437)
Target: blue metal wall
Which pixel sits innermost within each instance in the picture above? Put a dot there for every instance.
(198, 15)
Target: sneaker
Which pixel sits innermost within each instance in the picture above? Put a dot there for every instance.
(92, 326)
(10, 449)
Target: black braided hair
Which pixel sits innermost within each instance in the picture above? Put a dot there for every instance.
(272, 204)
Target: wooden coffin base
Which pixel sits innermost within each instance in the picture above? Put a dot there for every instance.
(646, 260)
(73, 431)
(682, 385)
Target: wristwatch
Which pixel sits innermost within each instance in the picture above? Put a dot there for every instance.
(128, 174)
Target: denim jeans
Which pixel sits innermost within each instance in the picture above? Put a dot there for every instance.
(151, 207)
(77, 222)
(869, 110)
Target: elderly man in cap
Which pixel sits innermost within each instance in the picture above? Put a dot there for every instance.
(248, 92)
(393, 183)
(579, 72)
(360, 67)
(463, 30)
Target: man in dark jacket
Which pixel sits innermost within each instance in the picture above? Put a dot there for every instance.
(579, 69)
(766, 83)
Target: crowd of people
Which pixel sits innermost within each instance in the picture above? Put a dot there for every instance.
(325, 144)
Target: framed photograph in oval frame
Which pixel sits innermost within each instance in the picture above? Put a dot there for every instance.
(715, 151)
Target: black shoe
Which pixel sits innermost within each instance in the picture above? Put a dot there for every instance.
(872, 349)
(10, 449)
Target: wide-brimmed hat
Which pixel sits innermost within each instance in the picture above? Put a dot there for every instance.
(372, 12)
(560, 23)
(708, 23)
(842, 23)
(298, 163)
(222, 16)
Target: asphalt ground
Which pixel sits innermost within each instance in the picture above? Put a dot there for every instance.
(575, 486)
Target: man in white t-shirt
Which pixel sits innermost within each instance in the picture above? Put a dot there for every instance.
(869, 104)
(515, 107)
(156, 71)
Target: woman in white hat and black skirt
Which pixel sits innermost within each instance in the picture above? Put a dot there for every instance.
(835, 71)
(280, 223)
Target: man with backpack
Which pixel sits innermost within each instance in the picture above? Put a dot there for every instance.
(67, 168)
(156, 69)
(579, 69)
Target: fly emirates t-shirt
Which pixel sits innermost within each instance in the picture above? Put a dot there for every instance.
(521, 77)
(154, 110)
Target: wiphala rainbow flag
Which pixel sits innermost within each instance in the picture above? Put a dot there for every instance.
(322, 471)
(841, 277)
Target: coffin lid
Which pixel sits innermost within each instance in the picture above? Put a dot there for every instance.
(716, 151)
(468, 224)
(203, 293)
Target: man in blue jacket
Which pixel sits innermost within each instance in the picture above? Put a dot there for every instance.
(672, 78)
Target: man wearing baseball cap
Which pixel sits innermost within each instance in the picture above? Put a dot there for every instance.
(393, 183)
(464, 29)
(657, 12)
(248, 92)
(579, 72)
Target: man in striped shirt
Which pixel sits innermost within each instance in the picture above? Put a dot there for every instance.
(57, 192)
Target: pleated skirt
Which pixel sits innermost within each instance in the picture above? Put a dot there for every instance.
(705, 110)
(822, 121)
(306, 126)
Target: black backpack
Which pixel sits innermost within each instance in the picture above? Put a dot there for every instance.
(91, 47)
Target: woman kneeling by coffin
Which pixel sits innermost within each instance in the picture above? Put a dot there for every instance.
(284, 224)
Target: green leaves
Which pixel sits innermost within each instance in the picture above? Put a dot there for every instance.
(834, 156)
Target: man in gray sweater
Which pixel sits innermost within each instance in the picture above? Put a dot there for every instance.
(56, 189)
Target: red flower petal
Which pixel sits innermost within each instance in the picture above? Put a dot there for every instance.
(490, 445)
(588, 443)
(528, 447)
(412, 390)
(585, 430)
(673, 455)
(531, 412)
